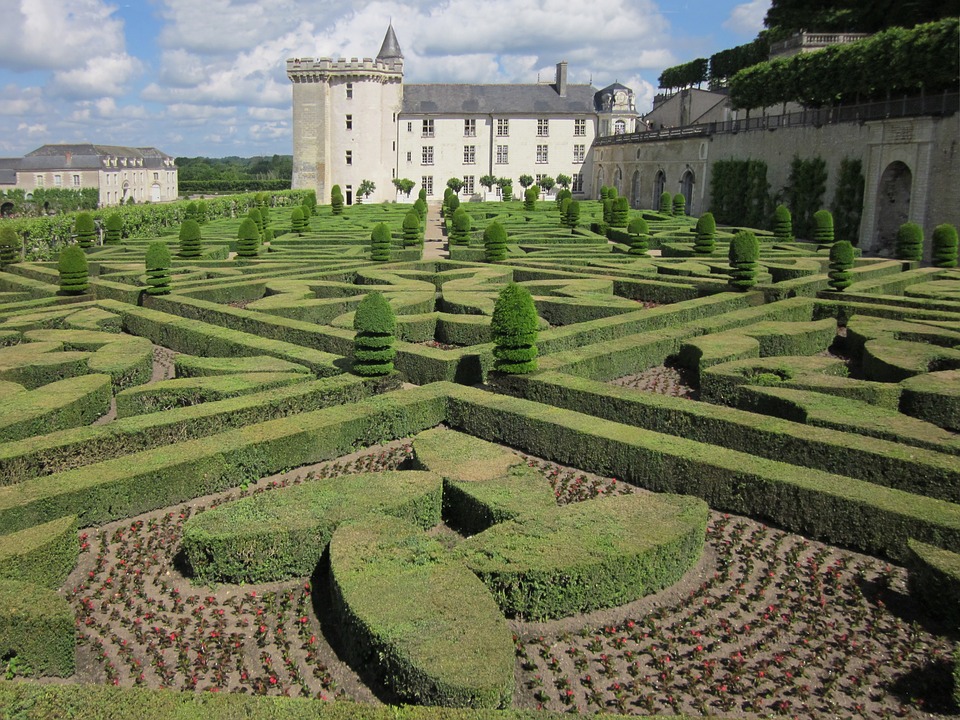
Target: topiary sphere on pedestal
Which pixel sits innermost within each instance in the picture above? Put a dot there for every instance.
(514, 331)
(373, 345)
(158, 268)
(744, 253)
(638, 230)
(841, 260)
(74, 271)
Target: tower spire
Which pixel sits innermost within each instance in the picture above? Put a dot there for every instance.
(390, 49)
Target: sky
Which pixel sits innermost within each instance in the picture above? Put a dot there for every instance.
(208, 77)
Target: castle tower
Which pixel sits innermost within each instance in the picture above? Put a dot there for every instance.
(345, 121)
(617, 110)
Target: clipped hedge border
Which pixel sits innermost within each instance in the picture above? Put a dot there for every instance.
(934, 579)
(283, 534)
(163, 476)
(435, 633)
(37, 625)
(839, 509)
(67, 449)
(43, 555)
(72, 402)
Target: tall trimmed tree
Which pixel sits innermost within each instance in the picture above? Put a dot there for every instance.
(297, 225)
(85, 229)
(530, 196)
(639, 231)
(744, 254)
(9, 246)
(607, 205)
(495, 242)
(373, 345)
(514, 331)
(783, 224)
(944, 246)
(679, 205)
(380, 241)
(621, 211)
(248, 239)
(460, 227)
(411, 229)
(158, 263)
(666, 203)
(506, 192)
(74, 270)
(255, 215)
(190, 241)
(706, 234)
(573, 215)
(113, 229)
(823, 227)
(336, 200)
(421, 207)
(909, 242)
(841, 260)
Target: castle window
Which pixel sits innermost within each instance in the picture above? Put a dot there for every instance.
(349, 122)
(409, 157)
(470, 127)
(503, 127)
(577, 185)
(57, 180)
(538, 178)
(39, 181)
(426, 155)
(468, 184)
(349, 91)
(578, 153)
(427, 127)
(409, 127)
(502, 154)
(619, 127)
(543, 127)
(76, 180)
(426, 182)
(469, 154)
(541, 154)
(580, 127)
(349, 157)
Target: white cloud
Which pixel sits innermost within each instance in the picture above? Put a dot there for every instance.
(21, 101)
(32, 131)
(57, 34)
(747, 18)
(106, 76)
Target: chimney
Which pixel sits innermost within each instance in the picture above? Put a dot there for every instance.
(562, 78)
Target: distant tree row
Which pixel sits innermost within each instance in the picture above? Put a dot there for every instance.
(786, 17)
(48, 200)
(232, 174)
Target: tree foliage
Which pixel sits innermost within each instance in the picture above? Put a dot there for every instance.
(686, 75)
(365, 189)
(404, 185)
(743, 255)
(380, 241)
(804, 193)
(495, 242)
(10, 246)
(740, 193)
(373, 345)
(74, 270)
(514, 330)
(841, 260)
(847, 204)
(190, 239)
(944, 246)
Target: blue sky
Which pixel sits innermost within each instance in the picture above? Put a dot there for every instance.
(207, 77)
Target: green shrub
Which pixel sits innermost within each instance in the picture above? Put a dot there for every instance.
(336, 200)
(85, 229)
(268, 236)
(452, 204)
(506, 192)
(73, 268)
(607, 205)
(945, 246)
(43, 554)
(411, 228)
(307, 212)
(514, 331)
(191, 211)
(639, 231)
(495, 242)
(666, 203)
(310, 200)
(841, 260)
(909, 244)
(706, 234)
(255, 215)
(460, 227)
(934, 580)
(113, 228)
(562, 194)
(297, 225)
(190, 246)
(782, 224)
(248, 239)
(373, 345)
(37, 626)
(10, 246)
(380, 241)
(823, 227)
(421, 207)
(564, 205)
(158, 268)
(203, 212)
(530, 196)
(422, 195)
(621, 209)
(744, 253)
(679, 205)
(573, 214)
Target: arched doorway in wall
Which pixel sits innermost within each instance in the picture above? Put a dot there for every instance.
(155, 192)
(618, 181)
(635, 190)
(893, 206)
(686, 189)
(659, 185)
(6, 209)
(599, 183)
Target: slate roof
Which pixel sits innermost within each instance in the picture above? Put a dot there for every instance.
(501, 99)
(87, 156)
(390, 49)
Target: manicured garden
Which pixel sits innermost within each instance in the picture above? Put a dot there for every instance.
(598, 460)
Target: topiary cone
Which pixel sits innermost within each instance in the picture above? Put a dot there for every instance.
(909, 245)
(74, 271)
(158, 263)
(373, 344)
(380, 241)
(495, 242)
(86, 230)
(743, 255)
(514, 331)
(706, 234)
(248, 239)
(944, 246)
(190, 239)
(841, 260)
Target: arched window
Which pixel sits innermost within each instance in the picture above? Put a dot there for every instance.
(659, 184)
(619, 127)
(686, 189)
(635, 190)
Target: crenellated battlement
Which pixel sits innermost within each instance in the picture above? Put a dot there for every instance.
(318, 69)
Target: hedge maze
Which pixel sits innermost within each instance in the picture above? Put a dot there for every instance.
(709, 498)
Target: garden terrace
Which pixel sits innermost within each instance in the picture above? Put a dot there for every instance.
(703, 502)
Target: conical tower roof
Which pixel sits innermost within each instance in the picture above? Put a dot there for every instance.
(390, 49)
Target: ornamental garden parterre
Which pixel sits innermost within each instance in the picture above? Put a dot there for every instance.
(602, 460)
